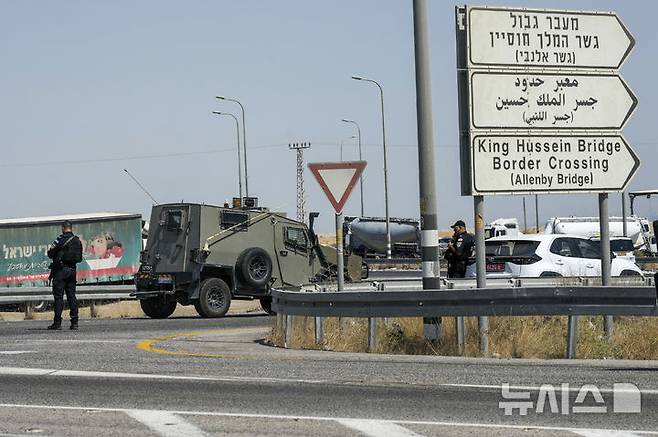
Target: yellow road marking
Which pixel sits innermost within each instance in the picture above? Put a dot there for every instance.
(148, 345)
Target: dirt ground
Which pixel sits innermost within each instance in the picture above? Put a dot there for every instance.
(127, 308)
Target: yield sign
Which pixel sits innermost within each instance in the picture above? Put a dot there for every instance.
(337, 179)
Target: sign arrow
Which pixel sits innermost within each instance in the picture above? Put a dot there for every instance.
(503, 36)
(529, 164)
(550, 101)
(337, 179)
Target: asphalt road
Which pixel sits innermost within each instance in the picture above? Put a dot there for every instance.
(193, 376)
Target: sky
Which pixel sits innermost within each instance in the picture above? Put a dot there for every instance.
(88, 88)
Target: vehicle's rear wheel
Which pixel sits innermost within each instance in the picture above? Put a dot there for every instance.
(254, 267)
(266, 305)
(41, 306)
(550, 275)
(214, 298)
(159, 307)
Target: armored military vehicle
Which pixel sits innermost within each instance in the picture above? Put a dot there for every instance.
(205, 256)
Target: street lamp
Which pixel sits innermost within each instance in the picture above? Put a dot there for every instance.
(244, 142)
(237, 131)
(358, 133)
(341, 145)
(388, 218)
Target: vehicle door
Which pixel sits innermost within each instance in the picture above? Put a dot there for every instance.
(167, 243)
(293, 254)
(589, 255)
(563, 254)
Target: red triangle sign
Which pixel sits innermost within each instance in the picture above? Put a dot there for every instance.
(337, 180)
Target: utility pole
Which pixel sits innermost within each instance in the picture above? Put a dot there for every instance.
(301, 202)
(427, 186)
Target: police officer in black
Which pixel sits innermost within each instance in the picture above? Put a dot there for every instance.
(459, 250)
(66, 252)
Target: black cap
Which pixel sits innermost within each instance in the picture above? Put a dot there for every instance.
(459, 223)
(67, 224)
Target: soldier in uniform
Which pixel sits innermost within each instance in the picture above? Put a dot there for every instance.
(459, 250)
(66, 252)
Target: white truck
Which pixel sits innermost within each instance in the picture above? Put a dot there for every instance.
(638, 229)
(502, 227)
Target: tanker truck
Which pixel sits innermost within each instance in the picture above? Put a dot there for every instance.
(638, 229)
(366, 236)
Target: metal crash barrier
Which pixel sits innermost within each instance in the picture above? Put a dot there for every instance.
(625, 297)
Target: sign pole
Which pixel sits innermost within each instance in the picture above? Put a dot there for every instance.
(340, 269)
(429, 239)
(605, 254)
(623, 214)
(481, 267)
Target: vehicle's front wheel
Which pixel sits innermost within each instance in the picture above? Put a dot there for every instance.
(159, 307)
(630, 273)
(214, 298)
(266, 305)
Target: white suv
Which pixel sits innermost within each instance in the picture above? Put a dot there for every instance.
(541, 255)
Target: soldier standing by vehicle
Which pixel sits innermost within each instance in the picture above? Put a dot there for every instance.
(66, 252)
(459, 250)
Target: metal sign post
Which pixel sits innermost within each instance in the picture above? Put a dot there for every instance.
(340, 262)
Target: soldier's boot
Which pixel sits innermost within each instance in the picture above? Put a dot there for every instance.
(56, 326)
(74, 321)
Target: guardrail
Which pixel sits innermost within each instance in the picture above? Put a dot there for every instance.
(32, 295)
(85, 292)
(519, 297)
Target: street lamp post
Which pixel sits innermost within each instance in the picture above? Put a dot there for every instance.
(244, 142)
(342, 143)
(237, 131)
(388, 218)
(358, 133)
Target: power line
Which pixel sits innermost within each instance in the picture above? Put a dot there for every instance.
(225, 150)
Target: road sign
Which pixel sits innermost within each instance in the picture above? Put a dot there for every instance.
(337, 180)
(522, 164)
(549, 101)
(549, 77)
(526, 37)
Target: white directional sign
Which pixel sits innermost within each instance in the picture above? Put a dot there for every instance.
(541, 103)
(337, 179)
(505, 164)
(538, 38)
(552, 101)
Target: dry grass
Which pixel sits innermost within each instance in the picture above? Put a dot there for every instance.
(509, 337)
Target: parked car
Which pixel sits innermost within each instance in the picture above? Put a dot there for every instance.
(546, 255)
(622, 247)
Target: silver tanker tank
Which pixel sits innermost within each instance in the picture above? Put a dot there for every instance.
(367, 236)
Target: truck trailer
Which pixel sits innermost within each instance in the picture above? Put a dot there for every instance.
(111, 246)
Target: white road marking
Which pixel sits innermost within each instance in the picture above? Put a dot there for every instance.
(71, 340)
(377, 428)
(16, 352)
(600, 433)
(27, 371)
(165, 423)
(339, 419)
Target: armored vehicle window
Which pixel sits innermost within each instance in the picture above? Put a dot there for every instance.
(296, 237)
(230, 219)
(174, 220)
